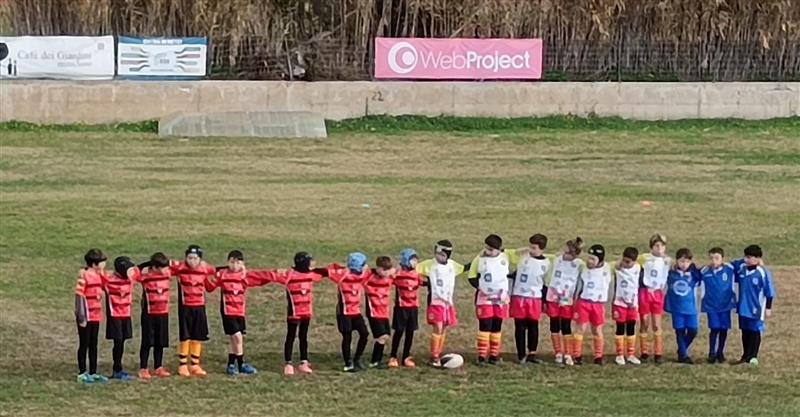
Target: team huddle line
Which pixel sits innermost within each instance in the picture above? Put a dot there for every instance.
(518, 283)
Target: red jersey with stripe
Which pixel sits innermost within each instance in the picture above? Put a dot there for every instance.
(233, 286)
(191, 282)
(299, 292)
(407, 285)
(378, 290)
(119, 294)
(351, 288)
(156, 285)
(90, 288)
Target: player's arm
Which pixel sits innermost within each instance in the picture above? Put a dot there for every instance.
(769, 291)
(261, 277)
(81, 307)
(473, 276)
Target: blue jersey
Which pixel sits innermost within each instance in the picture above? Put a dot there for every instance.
(682, 291)
(718, 289)
(755, 286)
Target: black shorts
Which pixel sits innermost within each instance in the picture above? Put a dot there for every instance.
(119, 328)
(405, 318)
(155, 330)
(192, 323)
(378, 327)
(233, 325)
(347, 324)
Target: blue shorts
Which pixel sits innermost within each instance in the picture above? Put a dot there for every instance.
(754, 325)
(719, 320)
(685, 321)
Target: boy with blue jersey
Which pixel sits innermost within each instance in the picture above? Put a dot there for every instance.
(681, 302)
(756, 293)
(718, 301)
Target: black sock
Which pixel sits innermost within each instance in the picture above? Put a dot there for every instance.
(398, 334)
(519, 338)
(303, 336)
(533, 336)
(231, 358)
(347, 338)
(240, 361)
(94, 329)
(158, 356)
(409, 340)
(756, 344)
(144, 354)
(362, 344)
(723, 336)
(377, 352)
(83, 345)
(712, 342)
(117, 351)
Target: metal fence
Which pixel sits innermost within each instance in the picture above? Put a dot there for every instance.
(260, 59)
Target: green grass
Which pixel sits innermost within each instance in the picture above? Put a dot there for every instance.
(123, 189)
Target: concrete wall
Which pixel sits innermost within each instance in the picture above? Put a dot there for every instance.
(115, 101)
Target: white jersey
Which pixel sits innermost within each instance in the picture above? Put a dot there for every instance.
(656, 270)
(564, 280)
(493, 282)
(626, 289)
(443, 282)
(530, 277)
(595, 283)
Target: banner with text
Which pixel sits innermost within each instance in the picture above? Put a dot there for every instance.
(59, 57)
(458, 59)
(161, 57)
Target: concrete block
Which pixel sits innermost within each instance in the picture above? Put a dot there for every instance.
(244, 124)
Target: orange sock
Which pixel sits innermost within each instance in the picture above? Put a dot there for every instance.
(183, 352)
(631, 345)
(556, 339)
(599, 346)
(442, 340)
(196, 349)
(495, 344)
(659, 343)
(569, 344)
(619, 342)
(644, 343)
(436, 347)
(577, 346)
(483, 344)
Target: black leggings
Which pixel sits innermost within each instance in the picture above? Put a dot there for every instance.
(561, 325)
(87, 343)
(751, 342)
(521, 327)
(409, 340)
(119, 349)
(347, 339)
(292, 328)
(144, 355)
(492, 325)
(628, 327)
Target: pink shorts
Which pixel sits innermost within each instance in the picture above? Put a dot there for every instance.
(624, 314)
(554, 310)
(493, 311)
(526, 308)
(590, 312)
(651, 302)
(442, 314)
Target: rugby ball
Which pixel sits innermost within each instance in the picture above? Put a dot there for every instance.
(452, 361)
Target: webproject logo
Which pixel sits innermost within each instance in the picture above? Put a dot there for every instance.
(404, 58)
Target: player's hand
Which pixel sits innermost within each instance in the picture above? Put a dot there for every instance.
(281, 271)
(769, 312)
(82, 323)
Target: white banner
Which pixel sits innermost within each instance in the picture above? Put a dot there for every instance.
(60, 57)
(161, 57)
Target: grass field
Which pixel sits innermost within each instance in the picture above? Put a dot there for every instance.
(127, 192)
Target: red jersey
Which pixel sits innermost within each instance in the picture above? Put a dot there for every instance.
(155, 300)
(407, 285)
(234, 287)
(90, 288)
(119, 294)
(191, 282)
(299, 292)
(378, 291)
(351, 288)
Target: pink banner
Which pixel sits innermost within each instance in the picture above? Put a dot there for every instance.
(464, 59)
